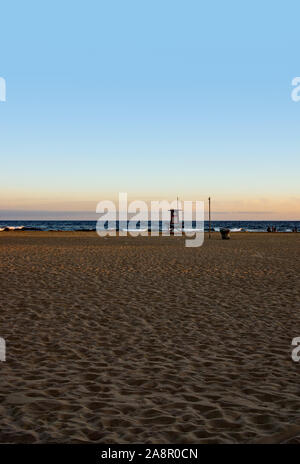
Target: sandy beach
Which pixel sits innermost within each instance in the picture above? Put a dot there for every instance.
(142, 340)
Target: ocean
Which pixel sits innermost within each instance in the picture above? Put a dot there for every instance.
(234, 226)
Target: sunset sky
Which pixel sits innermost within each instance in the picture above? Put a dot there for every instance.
(156, 99)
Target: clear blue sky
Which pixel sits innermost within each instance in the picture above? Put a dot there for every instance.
(153, 98)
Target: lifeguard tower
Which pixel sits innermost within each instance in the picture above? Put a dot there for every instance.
(174, 219)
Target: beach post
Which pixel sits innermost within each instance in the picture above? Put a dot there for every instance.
(209, 218)
(172, 220)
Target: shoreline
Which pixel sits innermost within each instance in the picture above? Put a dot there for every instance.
(72, 232)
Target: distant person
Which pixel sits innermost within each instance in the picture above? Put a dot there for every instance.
(269, 229)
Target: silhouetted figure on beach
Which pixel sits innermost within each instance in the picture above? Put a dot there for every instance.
(269, 229)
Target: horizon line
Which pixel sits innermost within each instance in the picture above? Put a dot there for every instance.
(105, 220)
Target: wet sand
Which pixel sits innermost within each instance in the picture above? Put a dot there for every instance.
(141, 340)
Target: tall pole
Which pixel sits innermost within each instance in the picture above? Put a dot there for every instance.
(172, 221)
(209, 226)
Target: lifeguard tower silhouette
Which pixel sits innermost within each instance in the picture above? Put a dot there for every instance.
(174, 220)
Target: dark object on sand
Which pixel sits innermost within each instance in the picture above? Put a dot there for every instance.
(269, 229)
(174, 219)
(225, 234)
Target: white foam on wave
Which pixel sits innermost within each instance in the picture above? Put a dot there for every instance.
(11, 228)
(134, 230)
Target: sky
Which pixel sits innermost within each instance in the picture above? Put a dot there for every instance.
(153, 98)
